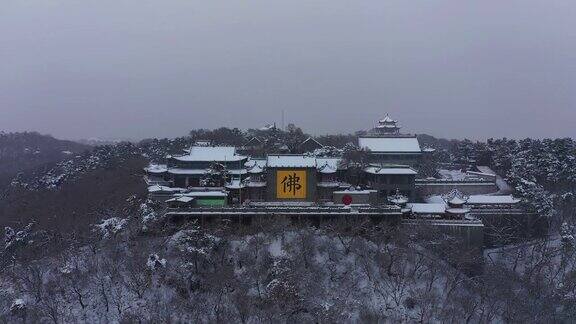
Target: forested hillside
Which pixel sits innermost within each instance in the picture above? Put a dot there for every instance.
(23, 152)
(82, 243)
(65, 187)
(137, 269)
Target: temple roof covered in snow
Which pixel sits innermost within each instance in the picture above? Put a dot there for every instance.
(235, 184)
(255, 165)
(390, 144)
(156, 168)
(327, 165)
(481, 200)
(455, 198)
(456, 201)
(158, 188)
(405, 170)
(211, 154)
(492, 200)
(291, 161)
(457, 210)
(211, 193)
(387, 120)
(433, 208)
(181, 199)
(386, 126)
(310, 139)
(203, 171)
(356, 191)
(322, 164)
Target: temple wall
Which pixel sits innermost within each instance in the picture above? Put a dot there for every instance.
(469, 233)
(503, 227)
(460, 242)
(368, 198)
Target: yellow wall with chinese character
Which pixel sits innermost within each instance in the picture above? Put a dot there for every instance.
(290, 184)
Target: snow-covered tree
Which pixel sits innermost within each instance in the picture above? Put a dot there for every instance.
(216, 175)
(111, 227)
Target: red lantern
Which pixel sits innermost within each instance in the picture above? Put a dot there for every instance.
(347, 200)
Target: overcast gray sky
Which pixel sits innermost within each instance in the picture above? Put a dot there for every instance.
(155, 68)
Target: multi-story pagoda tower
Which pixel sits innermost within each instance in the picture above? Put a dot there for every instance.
(387, 126)
(393, 159)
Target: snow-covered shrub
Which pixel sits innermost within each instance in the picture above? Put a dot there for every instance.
(111, 227)
(216, 175)
(18, 307)
(567, 233)
(155, 262)
(149, 215)
(13, 238)
(193, 241)
(283, 285)
(327, 151)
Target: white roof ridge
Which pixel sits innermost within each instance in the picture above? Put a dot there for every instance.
(311, 138)
(388, 119)
(391, 144)
(291, 160)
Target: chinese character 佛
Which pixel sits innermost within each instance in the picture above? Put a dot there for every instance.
(291, 183)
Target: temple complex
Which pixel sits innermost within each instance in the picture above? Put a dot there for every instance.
(390, 169)
(385, 182)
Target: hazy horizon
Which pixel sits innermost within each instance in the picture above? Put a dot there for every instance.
(139, 69)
